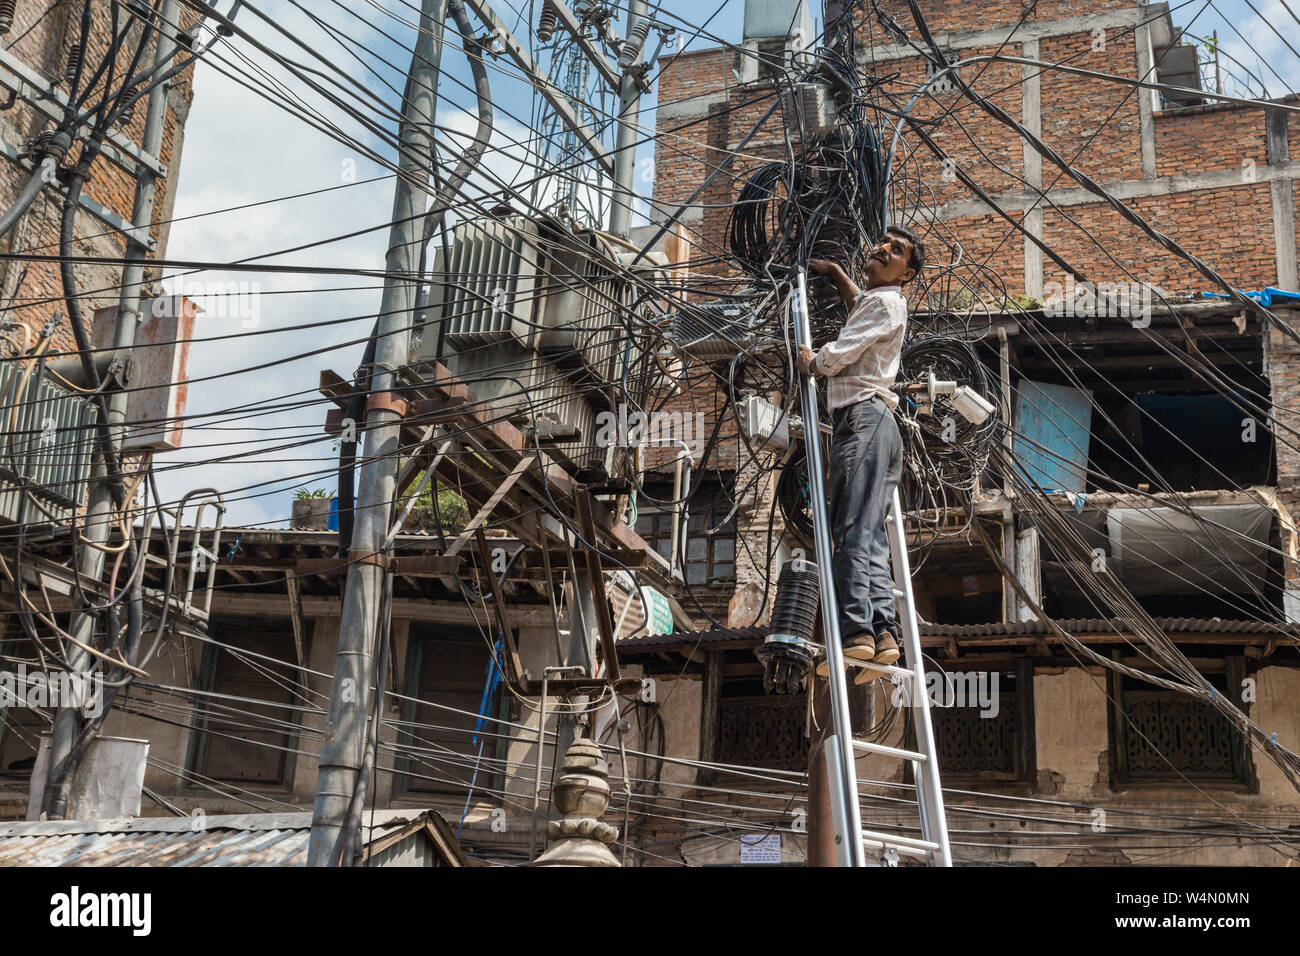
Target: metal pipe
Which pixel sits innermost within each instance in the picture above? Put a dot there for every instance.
(345, 724)
(629, 104)
(41, 176)
(839, 749)
(537, 782)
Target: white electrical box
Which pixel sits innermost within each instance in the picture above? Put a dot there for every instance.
(764, 422)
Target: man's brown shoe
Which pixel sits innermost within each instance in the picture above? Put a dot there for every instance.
(860, 647)
(886, 649)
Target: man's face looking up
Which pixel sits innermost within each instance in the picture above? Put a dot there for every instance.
(887, 263)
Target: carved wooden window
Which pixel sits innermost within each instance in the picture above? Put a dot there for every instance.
(986, 731)
(1164, 736)
(743, 726)
(761, 730)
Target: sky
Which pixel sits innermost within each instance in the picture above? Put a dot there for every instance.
(241, 149)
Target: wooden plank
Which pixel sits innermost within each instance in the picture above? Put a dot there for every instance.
(295, 616)
(415, 566)
(514, 442)
(504, 445)
(710, 713)
(474, 525)
(499, 607)
(604, 623)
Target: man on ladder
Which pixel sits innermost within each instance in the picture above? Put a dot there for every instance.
(866, 451)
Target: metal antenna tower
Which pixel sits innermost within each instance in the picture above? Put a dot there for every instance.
(579, 186)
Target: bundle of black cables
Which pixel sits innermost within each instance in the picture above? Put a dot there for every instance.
(762, 220)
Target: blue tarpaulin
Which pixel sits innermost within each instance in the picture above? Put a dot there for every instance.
(1265, 297)
(1053, 425)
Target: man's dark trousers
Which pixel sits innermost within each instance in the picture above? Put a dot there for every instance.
(866, 461)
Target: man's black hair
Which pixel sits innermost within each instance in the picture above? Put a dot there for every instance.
(917, 258)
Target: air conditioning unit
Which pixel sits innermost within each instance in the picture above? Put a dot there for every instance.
(46, 442)
(488, 292)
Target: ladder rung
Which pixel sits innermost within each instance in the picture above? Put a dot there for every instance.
(903, 844)
(898, 593)
(889, 669)
(868, 747)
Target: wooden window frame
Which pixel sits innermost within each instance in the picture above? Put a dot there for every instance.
(717, 499)
(491, 781)
(197, 749)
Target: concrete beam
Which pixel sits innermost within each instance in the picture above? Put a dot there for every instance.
(1126, 189)
(1146, 70)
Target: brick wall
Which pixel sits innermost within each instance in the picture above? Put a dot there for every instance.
(41, 35)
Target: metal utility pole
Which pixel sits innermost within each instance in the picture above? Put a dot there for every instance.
(629, 111)
(345, 723)
(67, 721)
(838, 752)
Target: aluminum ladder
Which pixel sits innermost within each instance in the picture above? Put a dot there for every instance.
(851, 840)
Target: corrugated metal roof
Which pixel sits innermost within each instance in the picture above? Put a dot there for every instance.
(1094, 625)
(253, 839)
(744, 636)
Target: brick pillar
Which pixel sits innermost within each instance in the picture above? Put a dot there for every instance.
(747, 607)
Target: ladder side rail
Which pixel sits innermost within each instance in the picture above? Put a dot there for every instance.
(843, 780)
(929, 792)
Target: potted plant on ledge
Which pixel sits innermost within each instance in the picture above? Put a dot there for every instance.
(311, 509)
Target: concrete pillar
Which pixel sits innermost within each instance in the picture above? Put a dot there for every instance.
(1031, 117)
(1146, 101)
(1282, 194)
(748, 607)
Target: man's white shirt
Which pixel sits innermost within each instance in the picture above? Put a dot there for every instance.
(863, 362)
